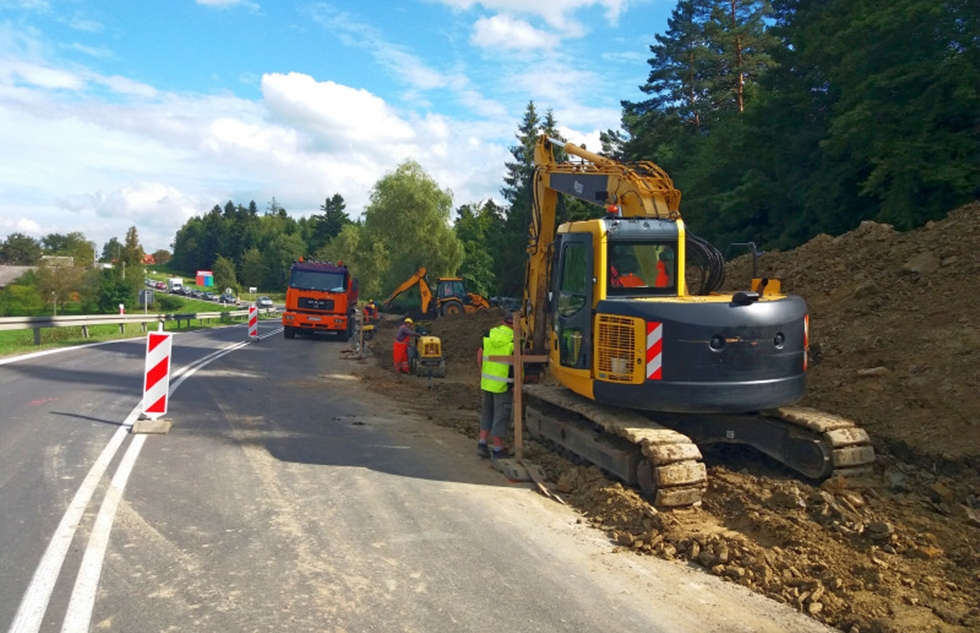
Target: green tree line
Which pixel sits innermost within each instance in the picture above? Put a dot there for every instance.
(63, 275)
(779, 121)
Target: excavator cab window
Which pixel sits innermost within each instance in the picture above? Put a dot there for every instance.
(641, 269)
(573, 309)
(451, 288)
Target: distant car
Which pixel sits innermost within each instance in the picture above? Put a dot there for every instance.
(229, 299)
(264, 302)
(209, 296)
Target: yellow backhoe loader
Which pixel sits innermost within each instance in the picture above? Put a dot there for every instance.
(451, 296)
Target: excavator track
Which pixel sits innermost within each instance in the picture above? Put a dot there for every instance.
(662, 457)
(665, 464)
(850, 451)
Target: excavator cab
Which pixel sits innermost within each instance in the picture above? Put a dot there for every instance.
(453, 298)
(625, 330)
(643, 268)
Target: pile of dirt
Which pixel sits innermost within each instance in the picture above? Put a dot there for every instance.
(893, 330)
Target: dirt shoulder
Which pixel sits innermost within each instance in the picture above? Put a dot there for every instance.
(893, 331)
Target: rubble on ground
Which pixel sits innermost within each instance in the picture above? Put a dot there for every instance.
(894, 335)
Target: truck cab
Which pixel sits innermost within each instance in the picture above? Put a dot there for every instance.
(321, 297)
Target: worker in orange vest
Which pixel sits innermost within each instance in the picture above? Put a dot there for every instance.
(399, 350)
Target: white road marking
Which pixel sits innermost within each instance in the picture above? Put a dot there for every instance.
(35, 601)
(82, 603)
(34, 604)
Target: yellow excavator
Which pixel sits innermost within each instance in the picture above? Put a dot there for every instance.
(650, 360)
(451, 296)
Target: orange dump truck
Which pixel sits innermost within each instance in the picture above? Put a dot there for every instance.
(321, 297)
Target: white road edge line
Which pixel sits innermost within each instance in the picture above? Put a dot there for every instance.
(34, 604)
(82, 603)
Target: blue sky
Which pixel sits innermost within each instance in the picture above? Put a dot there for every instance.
(119, 113)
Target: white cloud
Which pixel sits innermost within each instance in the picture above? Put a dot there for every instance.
(39, 5)
(502, 31)
(100, 153)
(15, 72)
(38, 75)
(225, 4)
(155, 159)
(336, 116)
(399, 62)
(91, 51)
(556, 13)
(88, 26)
(124, 86)
(23, 225)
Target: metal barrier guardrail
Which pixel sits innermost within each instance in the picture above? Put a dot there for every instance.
(84, 321)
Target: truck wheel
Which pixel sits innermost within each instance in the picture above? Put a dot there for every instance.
(452, 307)
(289, 332)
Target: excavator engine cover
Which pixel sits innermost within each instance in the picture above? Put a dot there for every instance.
(700, 357)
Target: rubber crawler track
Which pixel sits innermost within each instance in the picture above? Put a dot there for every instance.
(677, 477)
(851, 452)
(674, 475)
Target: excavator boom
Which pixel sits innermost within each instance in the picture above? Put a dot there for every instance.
(417, 279)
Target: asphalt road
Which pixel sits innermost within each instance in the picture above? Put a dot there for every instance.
(287, 497)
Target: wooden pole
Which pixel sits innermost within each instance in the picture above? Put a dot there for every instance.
(518, 401)
(518, 360)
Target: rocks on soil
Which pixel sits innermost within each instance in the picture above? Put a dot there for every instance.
(894, 338)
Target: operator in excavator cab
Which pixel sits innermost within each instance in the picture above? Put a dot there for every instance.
(621, 273)
(665, 267)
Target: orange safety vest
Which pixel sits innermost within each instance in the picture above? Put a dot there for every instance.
(662, 279)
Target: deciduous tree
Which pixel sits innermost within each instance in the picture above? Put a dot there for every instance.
(20, 250)
(409, 217)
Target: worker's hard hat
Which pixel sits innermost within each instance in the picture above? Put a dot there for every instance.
(408, 320)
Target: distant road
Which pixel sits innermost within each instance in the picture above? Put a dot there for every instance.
(289, 498)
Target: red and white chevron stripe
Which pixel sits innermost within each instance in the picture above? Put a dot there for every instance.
(156, 376)
(655, 334)
(253, 321)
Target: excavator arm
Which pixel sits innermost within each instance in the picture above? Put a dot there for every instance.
(641, 189)
(419, 279)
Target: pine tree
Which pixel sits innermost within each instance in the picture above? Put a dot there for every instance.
(511, 243)
(328, 225)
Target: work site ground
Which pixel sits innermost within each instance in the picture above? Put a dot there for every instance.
(895, 334)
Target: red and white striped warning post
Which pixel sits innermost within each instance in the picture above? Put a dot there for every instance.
(655, 334)
(156, 376)
(253, 321)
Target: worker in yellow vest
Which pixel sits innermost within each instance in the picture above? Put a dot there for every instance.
(496, 385)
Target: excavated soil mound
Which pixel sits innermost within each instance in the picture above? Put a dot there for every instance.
(894, 333)
(894, 330)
